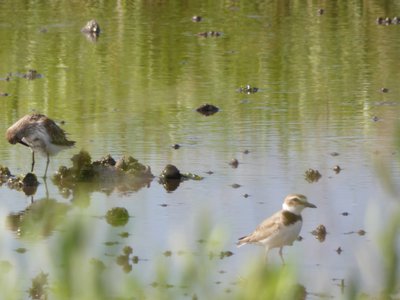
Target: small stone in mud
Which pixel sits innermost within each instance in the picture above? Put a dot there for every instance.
(312, 175)
(163, 205)
(248, 89)
(375, 118)
(105, 161)
(345, 213)
(235, 185)
(337, 169)
(246, 195)
(207, 109)
(91, 27)
(246, 151)
(196, 18)
(170, 172)
(20, 250)
(209, 172)
(384, 90)
(167, 253)
(361, 232)
(320, 232)
(339, 250)
(234, 163)
(176, 146)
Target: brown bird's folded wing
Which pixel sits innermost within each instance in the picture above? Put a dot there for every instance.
(263, 231)
(57, 134)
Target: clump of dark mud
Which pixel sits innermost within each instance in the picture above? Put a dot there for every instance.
(28, 183)
(106, 174)
(209, 34)
(171, 177)
(126, 259)
(117, 216)
(320, 233)
(312, 175)
(207, 109)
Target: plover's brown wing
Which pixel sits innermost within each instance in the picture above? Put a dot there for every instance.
(263, 231)
(56, 134)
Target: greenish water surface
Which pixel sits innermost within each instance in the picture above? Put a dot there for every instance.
(135, 90)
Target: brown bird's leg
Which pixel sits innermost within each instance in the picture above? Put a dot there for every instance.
(47, 165)
(281, 255)
(33, 160)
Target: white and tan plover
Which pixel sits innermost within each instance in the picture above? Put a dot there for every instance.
(282, 228)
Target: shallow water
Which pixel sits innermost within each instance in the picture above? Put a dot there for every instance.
(136, 89)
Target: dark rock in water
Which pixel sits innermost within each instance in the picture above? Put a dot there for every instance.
(30, 179)
(209, 34)
(337, 169)
(379, 20)
(234, 163)
(320, 11)
(117, 216)
(384, 90)
(196, 18)
(312, 175)
(207, 109)
(91, 30)
(320, 232)
(171, 172)
(105, 161)
(91, 27)
(171, 177)
(32, 74)
(176, 146)
(248, 89)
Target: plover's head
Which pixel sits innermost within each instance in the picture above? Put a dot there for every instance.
(295, 203)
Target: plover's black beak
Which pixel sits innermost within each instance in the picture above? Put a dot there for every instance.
(308, 204)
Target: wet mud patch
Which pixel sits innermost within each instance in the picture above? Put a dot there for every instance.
(106, 175)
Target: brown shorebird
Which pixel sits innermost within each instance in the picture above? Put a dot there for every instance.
(39, 133)
(282, 228)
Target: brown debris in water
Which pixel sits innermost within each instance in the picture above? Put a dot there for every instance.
(126, 174)
(320, 233)
(312, 175)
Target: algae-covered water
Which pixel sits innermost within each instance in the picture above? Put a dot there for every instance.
(327, 95)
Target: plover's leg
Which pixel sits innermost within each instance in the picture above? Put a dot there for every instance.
(281, 255)
(47, 165)
(266, 255)
(33, 160)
